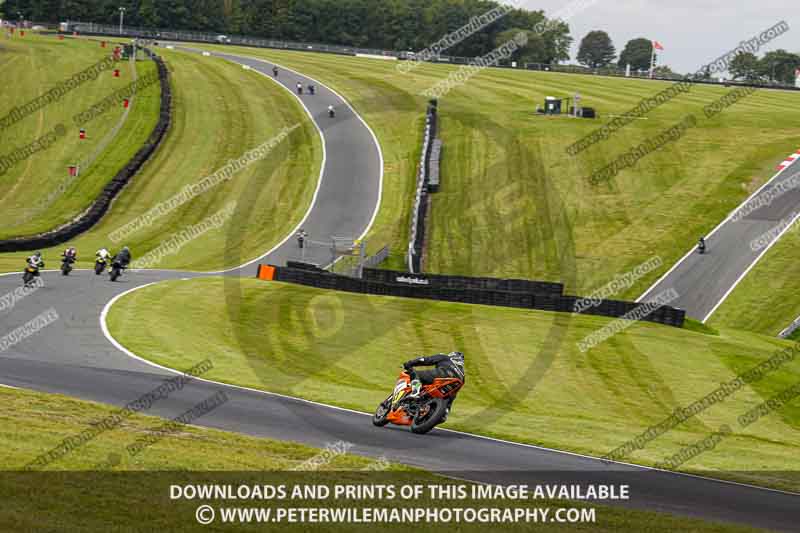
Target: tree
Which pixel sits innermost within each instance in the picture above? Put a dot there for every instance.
(637, 54)
(663, 71)
(779, 66)
(596, 49)
(744, 65)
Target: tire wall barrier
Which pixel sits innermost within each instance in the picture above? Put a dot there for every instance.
(467, 290)
(101, 204)
(416, 241)
(463, 282)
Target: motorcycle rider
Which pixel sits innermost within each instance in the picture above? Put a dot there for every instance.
(36, 262)
(102, 255)
(70, 254)
(331, 112)
(311, 89)
(299, 88)
(449, 365)
(701, 245)
(123, 257)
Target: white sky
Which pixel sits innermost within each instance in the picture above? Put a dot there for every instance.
(693, 32)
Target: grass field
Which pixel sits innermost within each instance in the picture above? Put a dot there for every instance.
(765, 301)
(527, 379)
(34, 423)
(514, 204)
(35, 64)
(220, 112)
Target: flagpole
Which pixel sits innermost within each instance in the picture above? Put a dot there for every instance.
(652, 59)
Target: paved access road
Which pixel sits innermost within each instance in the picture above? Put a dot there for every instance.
(733, 247)
(73, 356)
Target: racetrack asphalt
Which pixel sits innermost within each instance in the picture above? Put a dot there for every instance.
(703, 281)
(73, 356)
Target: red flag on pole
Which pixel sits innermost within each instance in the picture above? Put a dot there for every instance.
(657, 45)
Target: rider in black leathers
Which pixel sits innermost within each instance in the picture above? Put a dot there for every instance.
(123, 257)
(449, 365)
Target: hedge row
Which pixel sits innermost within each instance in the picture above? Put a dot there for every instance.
(102, 203)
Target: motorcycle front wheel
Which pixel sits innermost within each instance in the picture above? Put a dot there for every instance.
(380, 418)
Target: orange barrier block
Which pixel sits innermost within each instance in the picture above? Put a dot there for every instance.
(266, 272)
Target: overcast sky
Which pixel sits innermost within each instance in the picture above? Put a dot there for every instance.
(693, 32)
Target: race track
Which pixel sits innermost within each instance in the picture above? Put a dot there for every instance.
(732, 248)
(73, 356)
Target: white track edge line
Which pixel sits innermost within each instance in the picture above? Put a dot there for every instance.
(750, 267)
(324, 157)
(724, 220)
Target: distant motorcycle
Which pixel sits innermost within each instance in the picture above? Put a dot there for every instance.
(422, 412)
(31, 272)
(116, 270)
(66, 265)
(99, 266)
(331, 112)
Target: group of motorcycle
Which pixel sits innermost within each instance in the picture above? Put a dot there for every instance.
(103, 260)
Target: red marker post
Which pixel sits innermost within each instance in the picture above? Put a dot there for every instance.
(60, 37)
(102, 44)
(82, 133)
(73, 170)
(22, 33)
(116, 73)
(125, 103)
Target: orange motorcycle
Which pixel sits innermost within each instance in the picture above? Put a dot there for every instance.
(422, 412)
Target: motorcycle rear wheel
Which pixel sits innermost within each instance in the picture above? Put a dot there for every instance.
(434, 415)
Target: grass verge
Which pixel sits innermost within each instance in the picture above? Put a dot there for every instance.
(527, 380)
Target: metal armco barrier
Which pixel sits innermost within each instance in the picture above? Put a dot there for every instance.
(417, 240)
(666, 315)
(100, 206)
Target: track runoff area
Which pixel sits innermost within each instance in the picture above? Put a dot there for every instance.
(482, 481)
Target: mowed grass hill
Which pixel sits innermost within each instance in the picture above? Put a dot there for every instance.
(527, 378)
(220, 112)
(514, 203)
(32, 65)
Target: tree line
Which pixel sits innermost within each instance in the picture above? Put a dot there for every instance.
(597, 51)
(386, 24)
